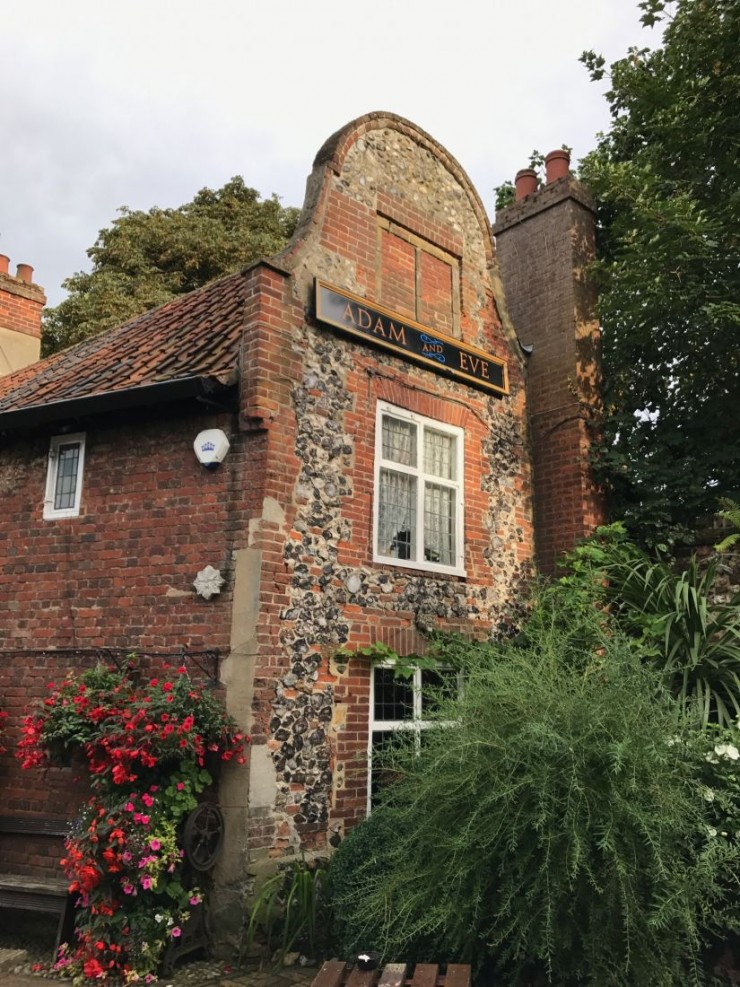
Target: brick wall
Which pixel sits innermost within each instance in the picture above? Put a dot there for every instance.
(544, 244)
(21, 303)
(119, 575)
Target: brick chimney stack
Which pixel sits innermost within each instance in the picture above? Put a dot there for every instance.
(21, 303)
(544, 243)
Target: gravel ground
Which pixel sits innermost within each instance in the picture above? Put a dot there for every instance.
(35, 933)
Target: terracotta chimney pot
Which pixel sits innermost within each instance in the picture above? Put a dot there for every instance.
(525, 183)
(557, 165)
(4, 261)
(25, 273)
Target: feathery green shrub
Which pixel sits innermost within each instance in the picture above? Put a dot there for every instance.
(552, 825)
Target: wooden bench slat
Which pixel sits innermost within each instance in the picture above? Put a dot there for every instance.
(334, 974)
(425, 975)
(24, 882)
(362, 978)
(393, 975)
(458, 975)
(34, 825)
(330, 974)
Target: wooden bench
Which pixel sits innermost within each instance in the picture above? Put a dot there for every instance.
(38, 894)
(336, 974)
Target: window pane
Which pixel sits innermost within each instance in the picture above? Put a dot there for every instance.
(439, 454)
(68, 459)
(436, 685)
(397, 515)
(439, 524)
(383, 771)
(394, 697)
(399, 441)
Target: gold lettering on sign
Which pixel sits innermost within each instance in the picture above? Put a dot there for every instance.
(364, 318)
(379, 329)
(349, 315)
(398, 333)
(475, 365)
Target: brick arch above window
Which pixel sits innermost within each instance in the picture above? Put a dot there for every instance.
(442, 408)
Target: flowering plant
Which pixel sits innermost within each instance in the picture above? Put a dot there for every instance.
(125, 863)
(147, 745)
(128, 730)
(718, 750)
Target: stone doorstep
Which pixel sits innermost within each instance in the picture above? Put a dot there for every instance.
(11, 958)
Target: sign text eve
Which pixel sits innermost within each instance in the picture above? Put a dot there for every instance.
(437, 351)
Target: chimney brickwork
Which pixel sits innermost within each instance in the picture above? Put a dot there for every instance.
(21, 304)
(544, 243)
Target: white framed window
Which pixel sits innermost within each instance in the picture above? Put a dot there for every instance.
(64, 476)
(402, 708)
(419, 488)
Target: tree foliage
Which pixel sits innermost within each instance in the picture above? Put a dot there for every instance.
(668, 190)
(144, 259)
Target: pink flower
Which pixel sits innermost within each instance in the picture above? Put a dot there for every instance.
(180, 785)
(129, 807)
(128, 888)
(146, 883)
(147, 800)
(155, 844)
(195, 899)
(176, 932)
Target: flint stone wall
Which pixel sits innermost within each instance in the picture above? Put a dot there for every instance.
(315, 717)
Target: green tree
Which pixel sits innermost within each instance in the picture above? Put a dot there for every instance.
(667, 184)
(144, 259)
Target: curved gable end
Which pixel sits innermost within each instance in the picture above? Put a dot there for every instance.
(391, 217)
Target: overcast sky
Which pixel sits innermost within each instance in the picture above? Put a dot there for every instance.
(144, 102)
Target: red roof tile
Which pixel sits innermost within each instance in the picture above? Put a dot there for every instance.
(193, 336)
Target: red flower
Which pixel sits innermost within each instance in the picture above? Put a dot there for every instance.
(93, 969)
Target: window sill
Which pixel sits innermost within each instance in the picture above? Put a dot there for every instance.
(423, 568)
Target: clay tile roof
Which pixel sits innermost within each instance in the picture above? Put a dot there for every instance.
(197, 335)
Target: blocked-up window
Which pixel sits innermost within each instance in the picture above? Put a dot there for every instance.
(64, 476)
(418, 492)
(418, 279)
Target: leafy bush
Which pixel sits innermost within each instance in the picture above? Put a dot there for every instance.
(691, 634)
(555, 824)
(364, 855)
(292, 911)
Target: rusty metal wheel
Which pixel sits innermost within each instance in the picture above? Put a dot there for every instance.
(203, 836)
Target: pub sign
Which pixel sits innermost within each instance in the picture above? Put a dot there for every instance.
(436, 351)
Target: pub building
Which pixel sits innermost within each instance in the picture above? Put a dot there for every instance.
(391, 419)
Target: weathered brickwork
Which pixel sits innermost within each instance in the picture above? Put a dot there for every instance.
(21, 303)
(394, 221)
(545, 243)
(120, 575)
